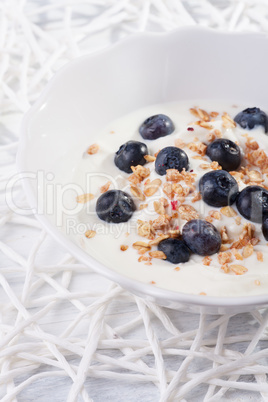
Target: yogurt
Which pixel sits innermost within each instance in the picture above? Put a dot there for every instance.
(237, 271)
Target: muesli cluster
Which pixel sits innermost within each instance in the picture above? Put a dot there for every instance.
(233, 184)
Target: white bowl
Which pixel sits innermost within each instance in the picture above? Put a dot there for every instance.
(190, 63)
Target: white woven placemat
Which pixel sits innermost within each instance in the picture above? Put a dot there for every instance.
(68, 334)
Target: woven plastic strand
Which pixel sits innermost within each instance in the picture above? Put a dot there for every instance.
(107, 335)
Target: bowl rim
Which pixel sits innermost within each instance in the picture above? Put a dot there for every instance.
(132, 285)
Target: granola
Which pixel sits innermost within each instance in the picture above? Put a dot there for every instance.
(164, 203)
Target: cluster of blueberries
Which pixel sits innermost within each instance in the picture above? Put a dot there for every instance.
(218, 188)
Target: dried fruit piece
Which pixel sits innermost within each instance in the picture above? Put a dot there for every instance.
(224, 257)
(227, 121)
(140, 171)
(173, 175)
(145, 229)
(157, 240)
(204, 166)
(245, 237)
(214, 114)
(158, 254)
(228, 211)
(237, 255)
(258, 158)
(224, 247)
(134, 179)
(238, 220)
(259, 256)
(196, 196)
(93, 149)
(105, 187)
(207, 260)
(142, 206)
(215, 166)
(164, 201)
(161, 222)
(144, 258)
(205, 125)
(224, 235)
(198, 147)
(151, 188)
(248, 251)
(179, 190)
(179, 143)
(90, 234)
(137, 193)
(141, 244)
(159, 208)
(211, 136)
(215, 215)
(238, 269)
(149, 158)
(255, 176)
(194, 112)
(83, 198)
(253, 145)
(188, 212)
(168, 190)
(173, 233)
(203, 115)
(209, 219)
(225, 268)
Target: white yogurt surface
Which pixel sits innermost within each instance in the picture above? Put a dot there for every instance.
(193, 277)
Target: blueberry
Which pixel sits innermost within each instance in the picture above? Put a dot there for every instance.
(171, 158)
(226, 153)
(252, 117)
(156, 126)
(115, 206)
(175, 250)
(218, 188)
(252, 203)
(130, 154)
(265, 227)
(201, 237)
